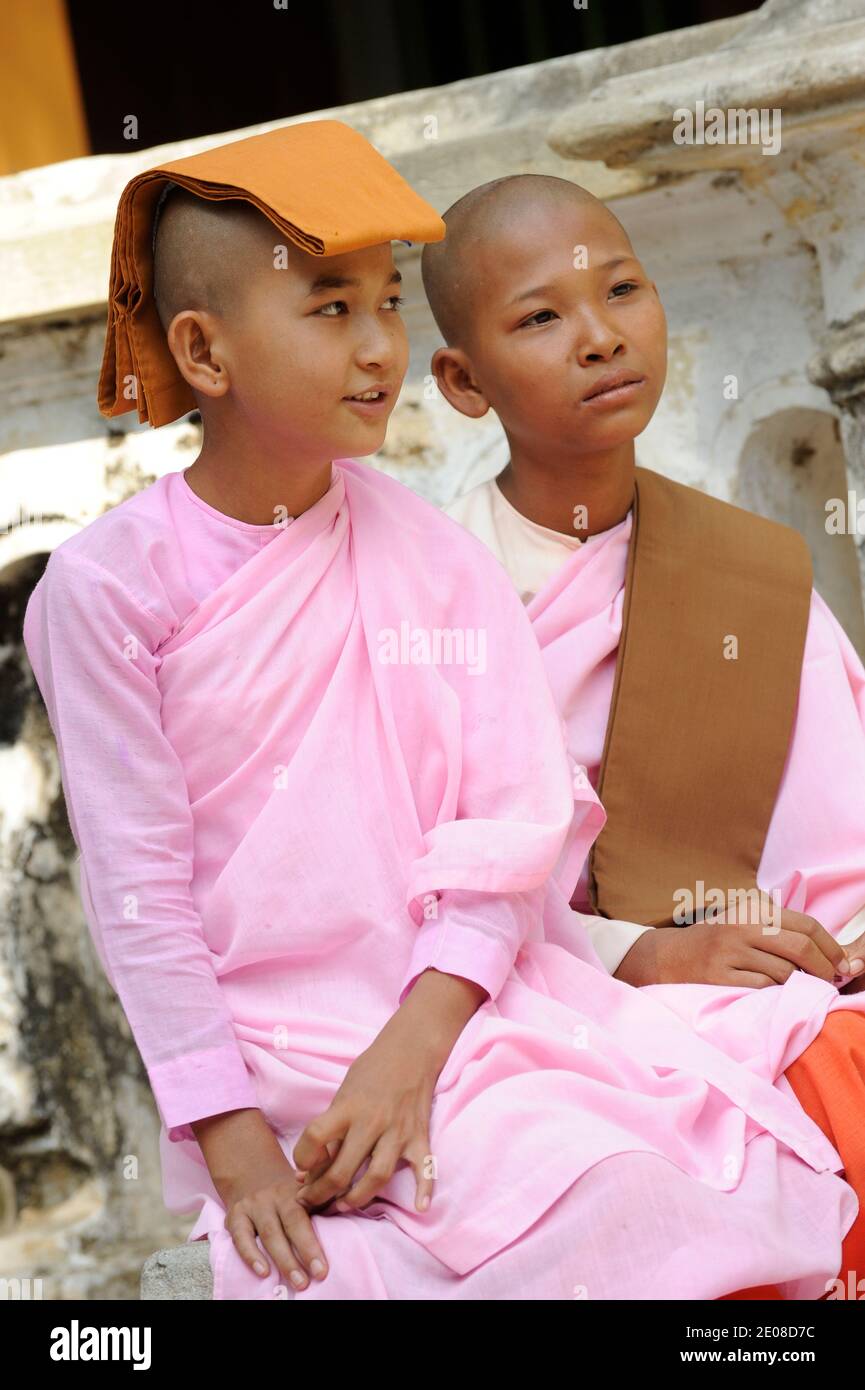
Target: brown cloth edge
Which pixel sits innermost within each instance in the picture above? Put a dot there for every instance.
(701, 772)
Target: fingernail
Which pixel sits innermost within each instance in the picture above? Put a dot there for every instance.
(298, 1279)
(343, 1206)
(856, 966)
(259, 1267)
(317, 1267)
(424, 1203)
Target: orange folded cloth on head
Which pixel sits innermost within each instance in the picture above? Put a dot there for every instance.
(321, 183)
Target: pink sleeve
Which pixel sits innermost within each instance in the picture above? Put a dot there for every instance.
(91, 646)
(814, 854)
(475, 935)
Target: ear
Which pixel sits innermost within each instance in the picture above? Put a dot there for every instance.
(190, 341)
(452, 370)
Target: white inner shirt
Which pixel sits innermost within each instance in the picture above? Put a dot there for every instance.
(532, 554)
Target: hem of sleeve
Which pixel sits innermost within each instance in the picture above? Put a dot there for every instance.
(852, 929)
(200, 1084)
(612, 939)
(482, 960)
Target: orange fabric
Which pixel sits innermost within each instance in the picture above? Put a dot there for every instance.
(829, 1082)
(321, 183)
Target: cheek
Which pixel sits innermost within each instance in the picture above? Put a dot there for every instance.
(401, 349)
(305, 366)
(652, 331)
(280, 386)
(525, 373)
(399, 346)
(646, 334)
(658, 356)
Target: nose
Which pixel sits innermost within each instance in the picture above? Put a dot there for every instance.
(597, 340)
(376, 341)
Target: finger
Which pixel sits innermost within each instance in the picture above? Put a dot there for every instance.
(855, 956)
(751, 979)
(309, 1177)
(825, 943)
(424, 1166)
(242, 1232)
(305, 1243)
(275, 1240)
(799, 948)
(311, 1149)
(383, 1160)
(777, 968)
(357, 1145)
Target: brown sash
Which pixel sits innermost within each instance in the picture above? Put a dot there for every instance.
(696, 742)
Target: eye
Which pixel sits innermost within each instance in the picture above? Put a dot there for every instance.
(341, 306)
(537, 316)
(625, 285)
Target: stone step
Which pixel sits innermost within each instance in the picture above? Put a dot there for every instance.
(180, 1272)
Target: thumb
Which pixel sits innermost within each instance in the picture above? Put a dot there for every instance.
(317, 1148)
(311, 1175)
(855, 951)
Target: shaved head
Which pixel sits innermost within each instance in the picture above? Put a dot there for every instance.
(449, 267)
(206, 251)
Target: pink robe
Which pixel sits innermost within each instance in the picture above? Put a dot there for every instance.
(814, 855)
(587, 1144)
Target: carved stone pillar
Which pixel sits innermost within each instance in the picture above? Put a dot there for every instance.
(839, 367)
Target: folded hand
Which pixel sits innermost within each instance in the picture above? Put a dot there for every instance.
(380, 1113)
(736, 951)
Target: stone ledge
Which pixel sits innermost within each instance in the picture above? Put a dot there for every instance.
(490, 125)
(815, 78)
(181, 1272)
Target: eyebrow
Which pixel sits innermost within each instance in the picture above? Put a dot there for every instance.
(340, 282)
(548, 289)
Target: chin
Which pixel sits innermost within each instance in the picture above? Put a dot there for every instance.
(364, 443)
(618, 432)
(627, 427)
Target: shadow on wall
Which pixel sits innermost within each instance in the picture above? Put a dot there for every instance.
(790, 467)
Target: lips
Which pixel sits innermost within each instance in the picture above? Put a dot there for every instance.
(370, 395)
(611, 382)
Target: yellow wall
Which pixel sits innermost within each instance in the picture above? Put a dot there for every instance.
(42, 116)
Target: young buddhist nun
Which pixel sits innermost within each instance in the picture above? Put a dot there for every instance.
(708, 692)
(328, 841)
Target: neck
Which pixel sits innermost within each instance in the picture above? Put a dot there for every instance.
(252, 487)
(549, 489)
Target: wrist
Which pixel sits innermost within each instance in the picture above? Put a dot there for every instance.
(233, 1143)
(639, 965)
(434, 1013)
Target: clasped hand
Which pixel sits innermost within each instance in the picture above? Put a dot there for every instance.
(737, 951)
(380, 1112)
